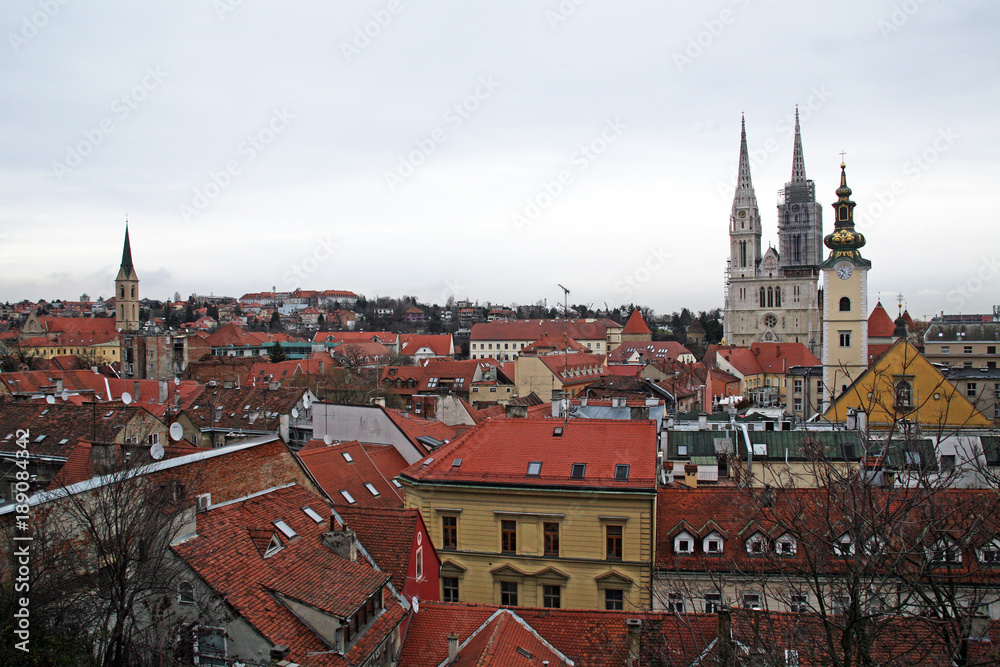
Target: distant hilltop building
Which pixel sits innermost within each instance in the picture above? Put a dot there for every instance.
(772, 296)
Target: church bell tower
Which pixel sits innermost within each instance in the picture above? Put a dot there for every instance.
(127, 292)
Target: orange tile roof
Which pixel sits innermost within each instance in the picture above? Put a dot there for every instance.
(416, 427)
(554, 443)
(635, 324)
(369, 464)
(879, 323)
(440, 344)
(661, 350)
(768, 357)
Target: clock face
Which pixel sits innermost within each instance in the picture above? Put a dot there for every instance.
(844, 271)
(743, 214)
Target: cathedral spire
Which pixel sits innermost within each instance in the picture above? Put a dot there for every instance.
(745, 197)
(798, 162)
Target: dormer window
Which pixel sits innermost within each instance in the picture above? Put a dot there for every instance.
(989, 553)
(684, 543)
(785, 546)
(944, 552)
(844, 546)
(712, 543)
(757, 545)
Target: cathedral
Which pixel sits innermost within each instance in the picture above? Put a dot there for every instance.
(773, 295)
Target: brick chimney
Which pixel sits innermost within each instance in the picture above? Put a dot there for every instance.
(452, 647)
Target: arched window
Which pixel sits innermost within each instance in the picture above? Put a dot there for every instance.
(770, 297)
(845, 304)
(777, 297)
(122, 289)
(762, 300)
(743, 253)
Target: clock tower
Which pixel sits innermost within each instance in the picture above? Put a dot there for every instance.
(127, 291)
(845, 299)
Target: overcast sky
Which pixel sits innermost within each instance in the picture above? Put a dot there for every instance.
(490, 149)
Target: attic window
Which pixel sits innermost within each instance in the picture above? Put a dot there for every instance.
(39, 438)
(579, 471)
(525, 652)
(534, 468)
(9, 436)
(347, 496)
(64, 441)
(44, 412)
(347, 457)
(273, 547)
(285, 528)
(456, 463)
(428, 462)
(557, 431)
(371, 488)
(621, 471)
(396, 482)
(311, 513)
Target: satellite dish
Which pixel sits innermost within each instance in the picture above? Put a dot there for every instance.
(416, 604)
(327, 440)
(65, 394)
(127, 398)
(156, 451)
(176, 431)
(177, 382)
(295, 413)
(50, 399)
(306, 402)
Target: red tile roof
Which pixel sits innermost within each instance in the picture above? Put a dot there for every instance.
(226, 557)
(768, 357)
(387, 534)
(502, 641)
(635, 324)
(601, 444)
(879, 323)
(415, 427)
(661, 350)
(588, 638)
(547, 344)
(80, 326)
(575, 367)
(534, 329)
(440, 345)
(333, 337)
(370, 464)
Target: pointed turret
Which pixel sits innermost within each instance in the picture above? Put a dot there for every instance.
(845, 242)
(798, 161)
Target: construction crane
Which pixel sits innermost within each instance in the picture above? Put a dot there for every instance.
(565, 300)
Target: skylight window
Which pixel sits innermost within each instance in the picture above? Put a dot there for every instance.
(371, 488)
(396, 482)
(311, 513)
(273, 547)
(428, 462)
(285, 529)
(534, 468)
(579, 471)
(557, 431)
(347, 496)
(39, 438)
(621, 471)
(347, 457)
(456, 463)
